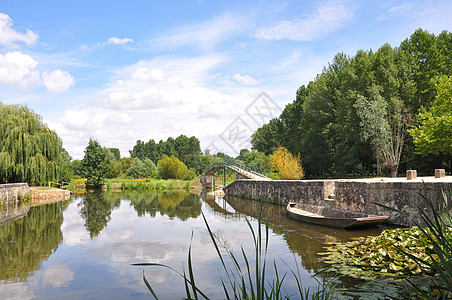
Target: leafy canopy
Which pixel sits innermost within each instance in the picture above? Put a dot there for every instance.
(95, 163)
(171, 167)
(29, 151)
(434, 132)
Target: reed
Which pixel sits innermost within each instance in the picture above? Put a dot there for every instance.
(241, 281)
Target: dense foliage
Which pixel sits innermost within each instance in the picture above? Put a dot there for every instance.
(95, 163)
(27, 242)
(29, 151)
(171, 167)
(353, 118)
(434, 132)
(286, 164)
(186, 149)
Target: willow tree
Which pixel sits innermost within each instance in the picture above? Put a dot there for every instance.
(29, 151)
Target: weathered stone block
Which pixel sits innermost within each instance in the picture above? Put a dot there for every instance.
(411, 174)
(440, 173)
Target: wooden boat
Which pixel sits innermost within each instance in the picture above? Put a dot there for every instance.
(333, 217)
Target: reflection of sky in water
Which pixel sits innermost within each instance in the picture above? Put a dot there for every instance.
(100, 268)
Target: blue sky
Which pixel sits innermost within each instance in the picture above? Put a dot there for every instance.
(120, 71)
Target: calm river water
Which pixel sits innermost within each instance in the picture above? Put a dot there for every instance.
(83, 248)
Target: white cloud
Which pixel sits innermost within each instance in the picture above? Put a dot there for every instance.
(398, 10)
(327, 18)
(150, 98)
(81, 120)
(57, 276)
(245, 79)
(17, 70)
(148, 75)
(117, 41)
(57, 81)
(204, 34)
(8, 35)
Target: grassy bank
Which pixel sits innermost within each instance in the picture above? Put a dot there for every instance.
(136, 184)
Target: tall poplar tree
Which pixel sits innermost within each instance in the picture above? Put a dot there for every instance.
(29, 151)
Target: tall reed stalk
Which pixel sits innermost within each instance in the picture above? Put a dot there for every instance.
(240, 279)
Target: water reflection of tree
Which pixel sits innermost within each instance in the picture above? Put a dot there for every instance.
(26, 242)
(179, 204)
(96, 208)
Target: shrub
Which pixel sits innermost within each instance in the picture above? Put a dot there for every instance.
(171, 167)
(286, 164)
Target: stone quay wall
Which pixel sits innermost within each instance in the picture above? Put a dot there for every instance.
(49, 196)
(12, 193)
(355, 195)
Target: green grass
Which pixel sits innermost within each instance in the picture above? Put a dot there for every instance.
(240, 280)
(150, 184)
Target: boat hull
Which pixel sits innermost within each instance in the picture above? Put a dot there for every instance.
(332, 217)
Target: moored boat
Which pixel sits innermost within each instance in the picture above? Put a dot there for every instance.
(333, 217)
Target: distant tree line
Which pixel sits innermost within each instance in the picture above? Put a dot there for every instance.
(353, 119)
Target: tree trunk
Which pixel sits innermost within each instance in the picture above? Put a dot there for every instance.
(393, 171)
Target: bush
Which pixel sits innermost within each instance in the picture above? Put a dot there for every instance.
(171, 167)
(286, 164)
(137, 169)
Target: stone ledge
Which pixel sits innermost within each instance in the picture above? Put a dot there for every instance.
(39, 196)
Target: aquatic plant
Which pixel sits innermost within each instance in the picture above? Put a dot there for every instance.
(417, 259)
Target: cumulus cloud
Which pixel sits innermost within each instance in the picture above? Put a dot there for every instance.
(57, 276)
(9, 36)
(57, 81)
(17, 70)
(327, 18)
(117, 41)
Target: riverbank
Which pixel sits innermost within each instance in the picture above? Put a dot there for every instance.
(138, 184)
(41, 195)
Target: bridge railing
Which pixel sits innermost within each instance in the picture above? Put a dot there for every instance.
(247, 167)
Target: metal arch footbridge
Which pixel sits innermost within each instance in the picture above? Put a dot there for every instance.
(241, 171)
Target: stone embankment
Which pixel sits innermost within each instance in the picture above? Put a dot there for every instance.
(44, 195)
(13, 193)
(402, 194)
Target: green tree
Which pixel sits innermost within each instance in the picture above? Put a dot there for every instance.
(125, 163)
(137, 169)
(113, 153)
(266, 138)
(29, 151)
(95, 163)
(384, 126)
(171, 167)
(77, 167)
(115, 169)
(150, 168)
(66, 172)
(434, 132)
